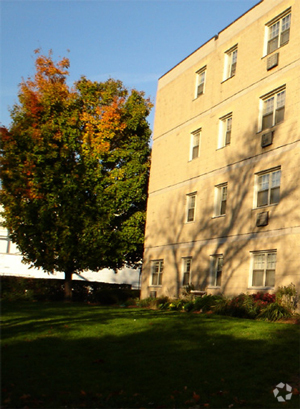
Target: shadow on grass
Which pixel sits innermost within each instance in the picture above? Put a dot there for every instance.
(82, 356)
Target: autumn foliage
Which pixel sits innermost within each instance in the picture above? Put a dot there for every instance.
(74, 170)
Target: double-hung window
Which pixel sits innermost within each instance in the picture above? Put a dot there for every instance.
(200, 81)
(157, 267)
(263, 270)
(268, 187)
(216, 270)
(186, 270)
(230, 62)
(225, 130)
(220, 199)
(273, 107)
(195, 144)
(278, 31)
(4, 239)
(191, 206)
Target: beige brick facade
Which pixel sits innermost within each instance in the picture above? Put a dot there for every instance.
(223, 210)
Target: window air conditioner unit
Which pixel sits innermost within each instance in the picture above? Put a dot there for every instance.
(153, 294)
(267, 139)
(262, 219)
(272, 61)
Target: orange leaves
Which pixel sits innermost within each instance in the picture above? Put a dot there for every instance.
(101, 126)
(47, 88)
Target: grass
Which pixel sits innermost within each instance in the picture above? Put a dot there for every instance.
(57, 355)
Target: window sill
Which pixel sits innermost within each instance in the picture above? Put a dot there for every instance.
(222, 82)
(211, 287)
(264, 207)
(199, 96)
(222, 147)
(274, 51)
(270, 129)
(218, 216)
(260, 288)
(154, 286)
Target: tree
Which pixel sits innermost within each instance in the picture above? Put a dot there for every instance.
(74, 169)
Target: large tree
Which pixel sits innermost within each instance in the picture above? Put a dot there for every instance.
(74, 170)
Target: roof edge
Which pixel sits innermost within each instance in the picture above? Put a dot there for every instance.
(215, 37)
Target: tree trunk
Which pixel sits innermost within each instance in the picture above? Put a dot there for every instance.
(68, 286)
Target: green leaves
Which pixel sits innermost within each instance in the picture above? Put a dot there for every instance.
(74, 167)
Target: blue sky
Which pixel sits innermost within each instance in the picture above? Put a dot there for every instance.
(135, 41)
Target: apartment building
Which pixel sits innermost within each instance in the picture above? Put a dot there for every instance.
(224, 194)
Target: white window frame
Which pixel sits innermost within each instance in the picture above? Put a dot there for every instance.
(200, 82)
(157, 268)
(263, 262)
(225, 130)
(186, 271)
(4, 237)
(195, 144)
(230, 62)
(267, 185)
(216, 270)
(272, 108)
(220, 199)
(191, 207)
(277, 32)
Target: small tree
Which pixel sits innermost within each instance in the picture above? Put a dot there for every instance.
(74, 170)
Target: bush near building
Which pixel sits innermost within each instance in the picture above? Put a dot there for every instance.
(33, 289)
(272, 307)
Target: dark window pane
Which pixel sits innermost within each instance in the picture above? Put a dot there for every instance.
(270, 278)
(186, 278)
(223, 207)
(160, 279)
(219, 278)
(195, 152)
(190, 215)
(154, 279)
(267, 121)
(233, 69)
(257, 278)
(227, 137)
(262, 198)
(272, 44)
(200, 89)
(275, 195)
(279, 115)
(285, 36)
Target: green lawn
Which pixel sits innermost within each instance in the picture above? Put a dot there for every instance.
(57, 355)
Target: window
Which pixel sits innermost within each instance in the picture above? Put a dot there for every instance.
(230, 62)
(220, 199)
(278, 31)
(195, 144)
(268, 188)
(191, 204)
(273, 108)
(225, 130)
(216, 270)
(264, 266)
(200, 81)
(4, 239)
(186, 270)
(157, 267)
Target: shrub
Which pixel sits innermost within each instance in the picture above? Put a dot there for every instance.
(207, 302)
(189, 306)
(275, 312)
(241, 306)
(287, 296)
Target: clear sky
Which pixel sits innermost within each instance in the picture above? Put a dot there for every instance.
(135, 41)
